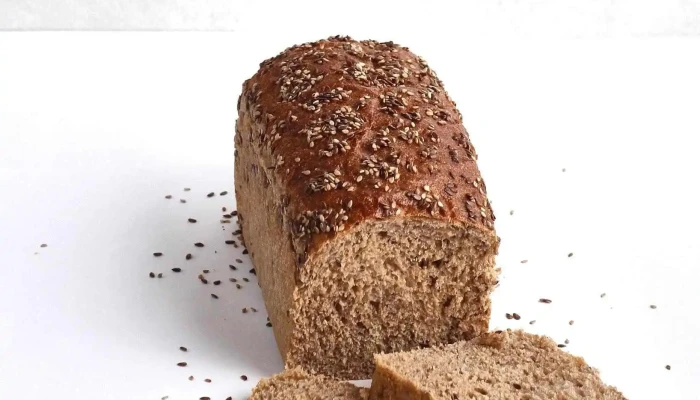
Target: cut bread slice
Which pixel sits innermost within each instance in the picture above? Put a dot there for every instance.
(499, 365)
(296, 384)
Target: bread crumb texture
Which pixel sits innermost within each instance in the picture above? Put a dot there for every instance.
(499, 365)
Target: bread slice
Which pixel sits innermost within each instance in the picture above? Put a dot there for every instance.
(296, 384)
(362, 206)
(500, 365)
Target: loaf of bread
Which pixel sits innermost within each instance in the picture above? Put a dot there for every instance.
(295, 384)
(500, 365)
(361, 205)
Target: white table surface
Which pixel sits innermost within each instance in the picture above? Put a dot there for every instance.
(96, 128)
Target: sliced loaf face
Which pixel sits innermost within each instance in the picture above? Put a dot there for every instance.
(362, 205)
(500, 365)
(296, 384)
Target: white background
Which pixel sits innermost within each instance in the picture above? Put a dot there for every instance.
(96, 128)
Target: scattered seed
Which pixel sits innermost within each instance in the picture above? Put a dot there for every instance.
(509, 316)
(243, 377)
(211, 194)
(571, 254)
(207, 380)
(160, 275)
(533, 322)
(43, 245)
(238, 260)
(164, 398)
(206, 271)
(229, 398)
(602, 295)
(234, 213)
(523, 262)
(561, 346)
(252, 271)
(238, 286)
(269, 324)
(188, 256)
(214, 296)
(157, 254)
(226, 216)
(668, 367)
(191, 378)
(246, 280)
(168, 197)
(232, 279)
(245, 310)
(177, 269)
(151, 274)
(205, 398)
(224, 193)
(253, 309)
(237, 232)
(192, 220)
(245, 251)
(571, 322)
(217, 283)
(233, 267)
(566, 341)
(563, 170)
(545, 301)
(182, 364)
(182, 348)
(230, 242)
(199, 244)
(653, 307)
(204, 281)
(512, 212)
(516, 316)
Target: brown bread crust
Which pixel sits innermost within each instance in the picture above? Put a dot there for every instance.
(356, 131)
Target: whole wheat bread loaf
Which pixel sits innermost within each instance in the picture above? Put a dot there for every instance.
(361, 205)
(296, 384)
(501, 365)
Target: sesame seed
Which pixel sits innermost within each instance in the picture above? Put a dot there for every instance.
(183, 201)
(230, 242)
(151, 274)
(571, 254)
(233, 267)
(252, 271)
(245, 251)
(43, 245)
(160, 275)
(217, 283)
(269, 324)
(533, 322)
(207, 380)
(561, 346)
(516, 316)
(157, 254)
(206, 271)
(188, 257)
(571, 322)
(211, 194)
(238, 286)
(187, 189)
(653, 307)
(602, 295)
(191, 378)
(199, 244)
(245, 310)
(246, 280)
(238, 260)
(168, 197)
(668, 367)
(512, 212)
(566, 341)
(182, 348)
(182, 364)
(224, 193)
(214, 296)
(233, 280)
(192, 220)
(243, 377)
(205, 398)
(523, 262)
(546, 301)
(176, 269)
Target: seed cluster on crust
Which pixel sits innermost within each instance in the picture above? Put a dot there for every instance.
(343, 121)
